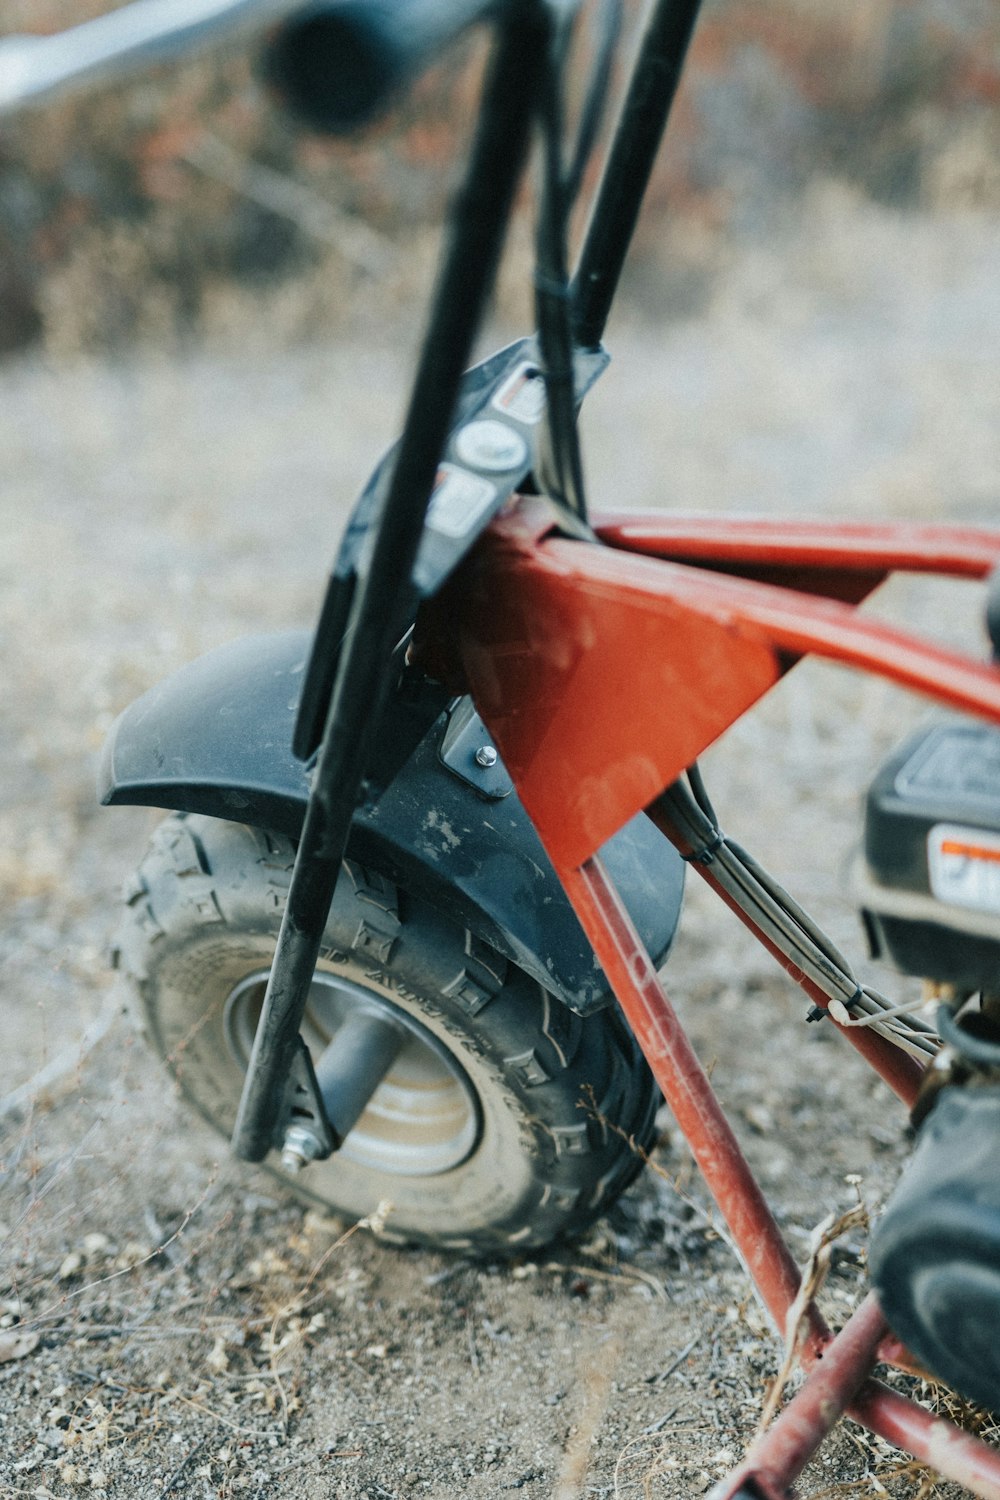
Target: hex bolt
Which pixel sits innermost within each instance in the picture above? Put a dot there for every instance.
(299, 1148)
(486, 757)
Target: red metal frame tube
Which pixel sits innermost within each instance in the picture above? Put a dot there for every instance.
(603, 674)
(794, 542)
(779, 1455)
(932, 1440)
(776, 1459)
(895, 1067)
(688, 1092)
(954, 1454)
(695, 649)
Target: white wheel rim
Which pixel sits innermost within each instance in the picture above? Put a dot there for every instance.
(422, 1119)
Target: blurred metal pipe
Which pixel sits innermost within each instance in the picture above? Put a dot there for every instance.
(36, 69)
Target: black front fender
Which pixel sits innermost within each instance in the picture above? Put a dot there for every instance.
(216, 738)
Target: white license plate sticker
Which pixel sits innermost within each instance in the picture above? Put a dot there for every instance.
(964, 866)
(459, 501)
(522, 395)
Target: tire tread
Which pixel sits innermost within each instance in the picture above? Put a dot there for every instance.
(571, 1075)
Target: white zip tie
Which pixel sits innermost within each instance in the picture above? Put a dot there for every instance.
(843, 1017)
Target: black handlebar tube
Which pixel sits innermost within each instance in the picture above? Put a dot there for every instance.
(508, 110)
(338, 64)
(637, 137)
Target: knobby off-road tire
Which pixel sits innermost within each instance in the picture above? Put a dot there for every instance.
(490, 1134)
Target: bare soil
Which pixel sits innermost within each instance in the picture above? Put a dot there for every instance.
(185, 1328)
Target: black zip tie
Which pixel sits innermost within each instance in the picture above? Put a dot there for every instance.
(707, 852)
(818, 1012)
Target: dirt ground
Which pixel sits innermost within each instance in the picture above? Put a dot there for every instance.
(188, 1330)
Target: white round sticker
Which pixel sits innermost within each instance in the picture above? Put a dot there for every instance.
(491, 445)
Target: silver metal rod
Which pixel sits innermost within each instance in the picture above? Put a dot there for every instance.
(34, 69)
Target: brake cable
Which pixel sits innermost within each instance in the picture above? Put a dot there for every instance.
(776, 913)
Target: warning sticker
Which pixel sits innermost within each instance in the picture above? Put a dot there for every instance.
(522, 395)
(964, 866)
(459, 501)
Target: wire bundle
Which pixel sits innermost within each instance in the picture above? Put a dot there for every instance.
(788, 926)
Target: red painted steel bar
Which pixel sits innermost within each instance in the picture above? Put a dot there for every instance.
(687, 1091)
(602, 674)
(955, 1454)
(901, 1072)
(799, 623)
(779, 1455)
(686, 1088)
(776, 1459)
(932, 1440)
(793, 542)
(892, 1351)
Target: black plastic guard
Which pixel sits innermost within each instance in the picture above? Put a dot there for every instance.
(216, 738)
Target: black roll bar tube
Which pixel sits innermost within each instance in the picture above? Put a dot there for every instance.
(641, 123)
(507, 114)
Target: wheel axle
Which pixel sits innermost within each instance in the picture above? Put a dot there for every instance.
(348, 1072)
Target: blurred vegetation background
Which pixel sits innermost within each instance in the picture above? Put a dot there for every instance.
(186, 205)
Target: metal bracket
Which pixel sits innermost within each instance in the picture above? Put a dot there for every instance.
(304, 1132)
(467, 751)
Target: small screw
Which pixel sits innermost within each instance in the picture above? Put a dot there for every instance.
(486, 757)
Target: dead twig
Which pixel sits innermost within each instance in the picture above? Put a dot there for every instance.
(178, 1473)
(175, 1395)
(358, 244)
(673, 1183)
(660, 1422)
(814, 1273)
(70, 1059)
(624, 1271)
(473, 1351)
(47, 1315)
(580, 1444)
(676, 1363)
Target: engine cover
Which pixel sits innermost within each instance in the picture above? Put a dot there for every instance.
(935, 1254)
(932, 853)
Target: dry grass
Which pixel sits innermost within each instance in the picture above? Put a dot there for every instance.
(814, 1273)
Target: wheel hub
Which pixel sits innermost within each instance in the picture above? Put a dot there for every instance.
(421, 1117)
